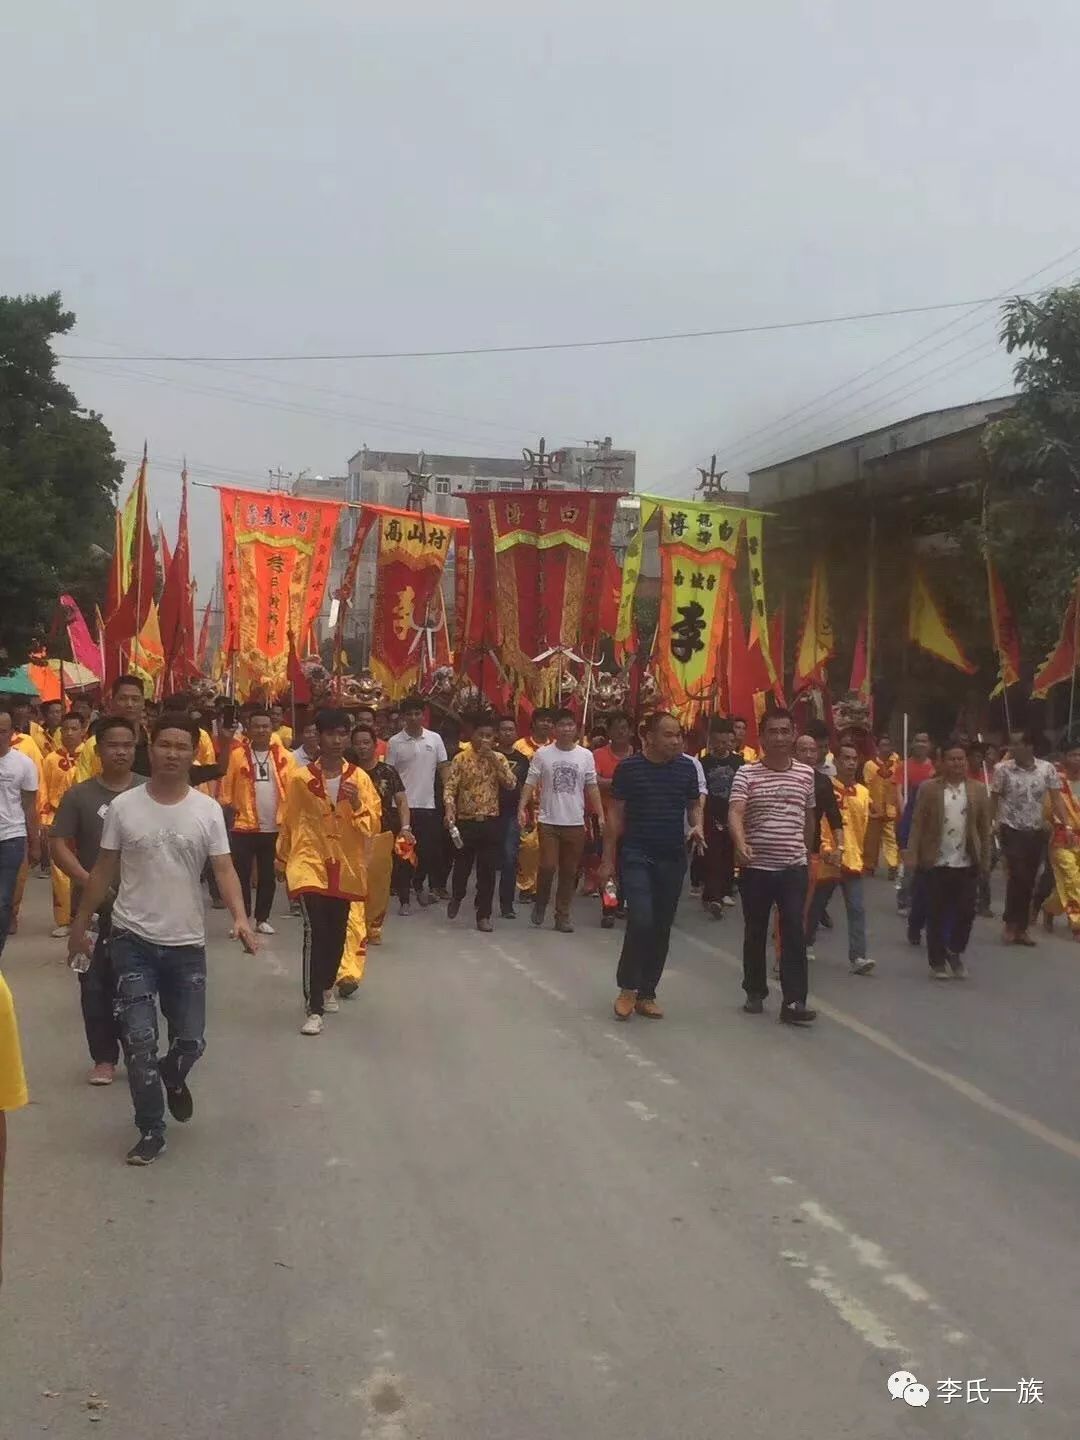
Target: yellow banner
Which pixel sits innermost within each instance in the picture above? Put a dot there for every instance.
(701, 527)
(632, 569)
(756, 557)
(693, 607)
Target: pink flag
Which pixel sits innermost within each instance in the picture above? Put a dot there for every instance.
(84, 651)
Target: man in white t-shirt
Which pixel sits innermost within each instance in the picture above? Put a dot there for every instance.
(563, 775)
(158, 837)
(418, 755)
(19, 835)
(253, 792)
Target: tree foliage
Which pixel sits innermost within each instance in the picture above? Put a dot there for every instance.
(1033, 500)
(58, 478)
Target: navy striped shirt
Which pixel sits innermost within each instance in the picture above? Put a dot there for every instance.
(655, 796)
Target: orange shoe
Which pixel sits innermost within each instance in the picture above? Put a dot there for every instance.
(624, 1005)
(650, 1009)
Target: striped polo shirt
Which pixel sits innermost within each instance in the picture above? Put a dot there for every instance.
(777, 802)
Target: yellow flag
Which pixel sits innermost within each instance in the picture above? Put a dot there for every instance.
(816, 645)
(759, 616)
(129, 519)
(148, 653)
(927, 627)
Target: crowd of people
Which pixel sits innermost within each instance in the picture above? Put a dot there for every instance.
(133, 811)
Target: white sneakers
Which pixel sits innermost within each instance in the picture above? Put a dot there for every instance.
(312, 1025)
(265, 928)
(729, 899)
(862, 966)
(330, 1002)
(60, 933)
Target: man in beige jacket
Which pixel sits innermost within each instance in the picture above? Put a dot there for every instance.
(950, 846)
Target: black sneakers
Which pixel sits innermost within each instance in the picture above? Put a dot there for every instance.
(797, 1014)
(147, 1150)
(754, 1005)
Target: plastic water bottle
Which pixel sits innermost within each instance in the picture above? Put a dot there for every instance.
(455, 836)
(80, 963)
(609, 896)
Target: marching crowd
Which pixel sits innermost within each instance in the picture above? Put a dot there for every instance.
(131, 815)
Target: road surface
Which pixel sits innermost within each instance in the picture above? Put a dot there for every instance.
(477, 1208)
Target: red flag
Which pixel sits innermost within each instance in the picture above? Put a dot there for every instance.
(609, 594)
(298, 681)
(1061, 662)
(776, 650)
(164, 553)
(740, 679)
(129, 617)
(175, 619)
(760, 679)
(1006, 635)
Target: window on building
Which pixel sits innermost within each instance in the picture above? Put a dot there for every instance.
(442, 485)
(511, 484)
(481, 482)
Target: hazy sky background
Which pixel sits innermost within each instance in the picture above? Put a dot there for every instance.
(231, 177)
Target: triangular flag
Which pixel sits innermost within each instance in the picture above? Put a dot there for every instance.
(1006, 635)
(1060, 664)
(816, 645)
(927, 627)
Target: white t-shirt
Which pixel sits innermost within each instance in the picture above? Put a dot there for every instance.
(560, 777)
(954, 847)
(163, 849)
(416, 761)
(266, 792)
(332, 785)
(18, 777)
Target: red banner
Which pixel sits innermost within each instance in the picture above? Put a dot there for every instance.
(276, 552)
(539, 561)
(409, 621)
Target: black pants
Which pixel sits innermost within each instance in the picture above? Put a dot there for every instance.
(97, 990)
(950, 910)
(253, 847)
(509, 845)
(761, 890)
(651, 886)
(430, 835)
(1023, 851)
(326, 920)
(719, 865)
(916, 920)
(481, 841)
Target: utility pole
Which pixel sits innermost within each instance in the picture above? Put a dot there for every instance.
(605, 465)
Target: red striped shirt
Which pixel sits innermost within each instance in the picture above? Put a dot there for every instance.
(774, 819)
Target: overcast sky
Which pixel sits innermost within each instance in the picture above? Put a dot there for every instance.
(231, 177)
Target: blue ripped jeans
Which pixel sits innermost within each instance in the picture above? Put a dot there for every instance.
(145, 973)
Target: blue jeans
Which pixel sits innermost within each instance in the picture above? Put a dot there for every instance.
(12, 855)
(144, 971)
(511, 844)
(852, 887)
(651, 886)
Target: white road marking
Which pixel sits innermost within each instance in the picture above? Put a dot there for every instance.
(641, 1110)
(860, 1317)
(782, 1180)
(1066, 1144)
(314, 1097)
(641, 1061)
(868, 1253)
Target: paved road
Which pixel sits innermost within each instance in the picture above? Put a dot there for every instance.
(478, 1209)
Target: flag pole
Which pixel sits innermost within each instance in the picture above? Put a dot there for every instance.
(1076, 658)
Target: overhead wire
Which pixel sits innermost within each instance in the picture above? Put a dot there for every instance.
(656, 339)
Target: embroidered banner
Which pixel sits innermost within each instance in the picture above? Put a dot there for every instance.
(276, 552)
(693, 606)
(408, 626)
(539, 560)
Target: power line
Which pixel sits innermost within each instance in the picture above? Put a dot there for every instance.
(558, 344)
(514, 429)
(739, 445)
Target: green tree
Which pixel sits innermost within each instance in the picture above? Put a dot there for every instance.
(58, 478)
(1033, 499)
